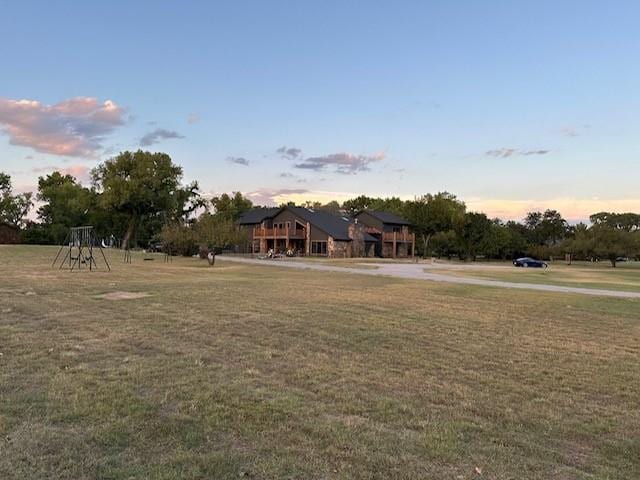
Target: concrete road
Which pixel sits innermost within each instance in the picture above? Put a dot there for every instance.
(415, 271)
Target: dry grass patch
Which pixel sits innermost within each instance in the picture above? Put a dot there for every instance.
(625, 277)
(276, 373)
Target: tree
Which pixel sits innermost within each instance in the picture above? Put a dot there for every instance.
(431, 214)
(331, 207)
(580, 242)
(188, 202)
(142, 186)
(13, 207)
(474, 233)
(230, 207)
(546, 228)
(613, 243)
(497, 242)
(217, 231)
(517, 239)
(66, 204)
(356, 205)
(629, 222)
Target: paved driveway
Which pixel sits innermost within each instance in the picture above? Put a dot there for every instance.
(415, 271)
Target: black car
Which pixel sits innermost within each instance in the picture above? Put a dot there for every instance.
(529, 262)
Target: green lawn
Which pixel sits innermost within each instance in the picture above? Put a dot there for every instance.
(626, 276)
(255, 372)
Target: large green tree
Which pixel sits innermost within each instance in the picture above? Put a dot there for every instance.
(628, 221)
(13, 207)
(65, 204)
(432, 214)
(545, 228)
(474, 233)
(230, 207)
(358, 204)
(144, 186)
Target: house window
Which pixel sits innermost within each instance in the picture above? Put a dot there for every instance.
(318, 248)
(288, 225)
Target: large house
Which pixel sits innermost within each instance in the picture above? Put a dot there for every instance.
(305, 231)
(392, 233)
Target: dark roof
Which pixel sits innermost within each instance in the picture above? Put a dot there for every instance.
(387, 217)
(369, 238)
(334, 225)
(257, 215)
(337, 227)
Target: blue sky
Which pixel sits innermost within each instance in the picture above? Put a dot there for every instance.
(510, 105)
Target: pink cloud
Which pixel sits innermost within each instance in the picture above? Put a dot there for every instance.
(73, 127)
(82, 173)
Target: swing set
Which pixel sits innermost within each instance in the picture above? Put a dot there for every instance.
(79, 244)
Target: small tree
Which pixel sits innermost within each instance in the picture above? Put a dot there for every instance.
(13, 207)
(613, 243)
(216, 231)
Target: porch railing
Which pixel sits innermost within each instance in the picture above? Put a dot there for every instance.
(279, 233)
(398, 237)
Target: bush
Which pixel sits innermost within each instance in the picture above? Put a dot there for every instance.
(179, 240)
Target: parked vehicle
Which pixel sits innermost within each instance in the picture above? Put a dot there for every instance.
(529, 262)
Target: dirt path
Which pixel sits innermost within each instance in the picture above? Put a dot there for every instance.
(416, 272)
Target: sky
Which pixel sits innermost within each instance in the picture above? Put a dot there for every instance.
(510, 105)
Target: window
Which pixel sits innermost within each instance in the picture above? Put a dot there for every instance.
(288, 225)
(318, 248)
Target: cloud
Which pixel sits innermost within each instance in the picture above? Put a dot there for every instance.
(343, 162)
(157, 136)
(238, 161)
(82, 173)
(193, 118)
(512, 152)
(73, 127)
(287, 175)
(575, 131)
(267, 196)
(289, 153)
(569, 132)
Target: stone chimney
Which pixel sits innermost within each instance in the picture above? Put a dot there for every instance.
(356, 234)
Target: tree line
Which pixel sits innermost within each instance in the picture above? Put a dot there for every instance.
(138, 199)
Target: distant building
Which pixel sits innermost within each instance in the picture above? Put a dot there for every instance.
(9, 234)
(305, 231)
(392, 233)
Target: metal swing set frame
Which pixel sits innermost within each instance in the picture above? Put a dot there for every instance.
(80, 243)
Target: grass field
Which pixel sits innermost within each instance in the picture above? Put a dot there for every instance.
(626, 276)
(257, 372)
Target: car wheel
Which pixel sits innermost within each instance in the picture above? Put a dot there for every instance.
(525, 264)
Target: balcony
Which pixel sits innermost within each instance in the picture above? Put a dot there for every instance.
(279, 233)
(398, 237)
